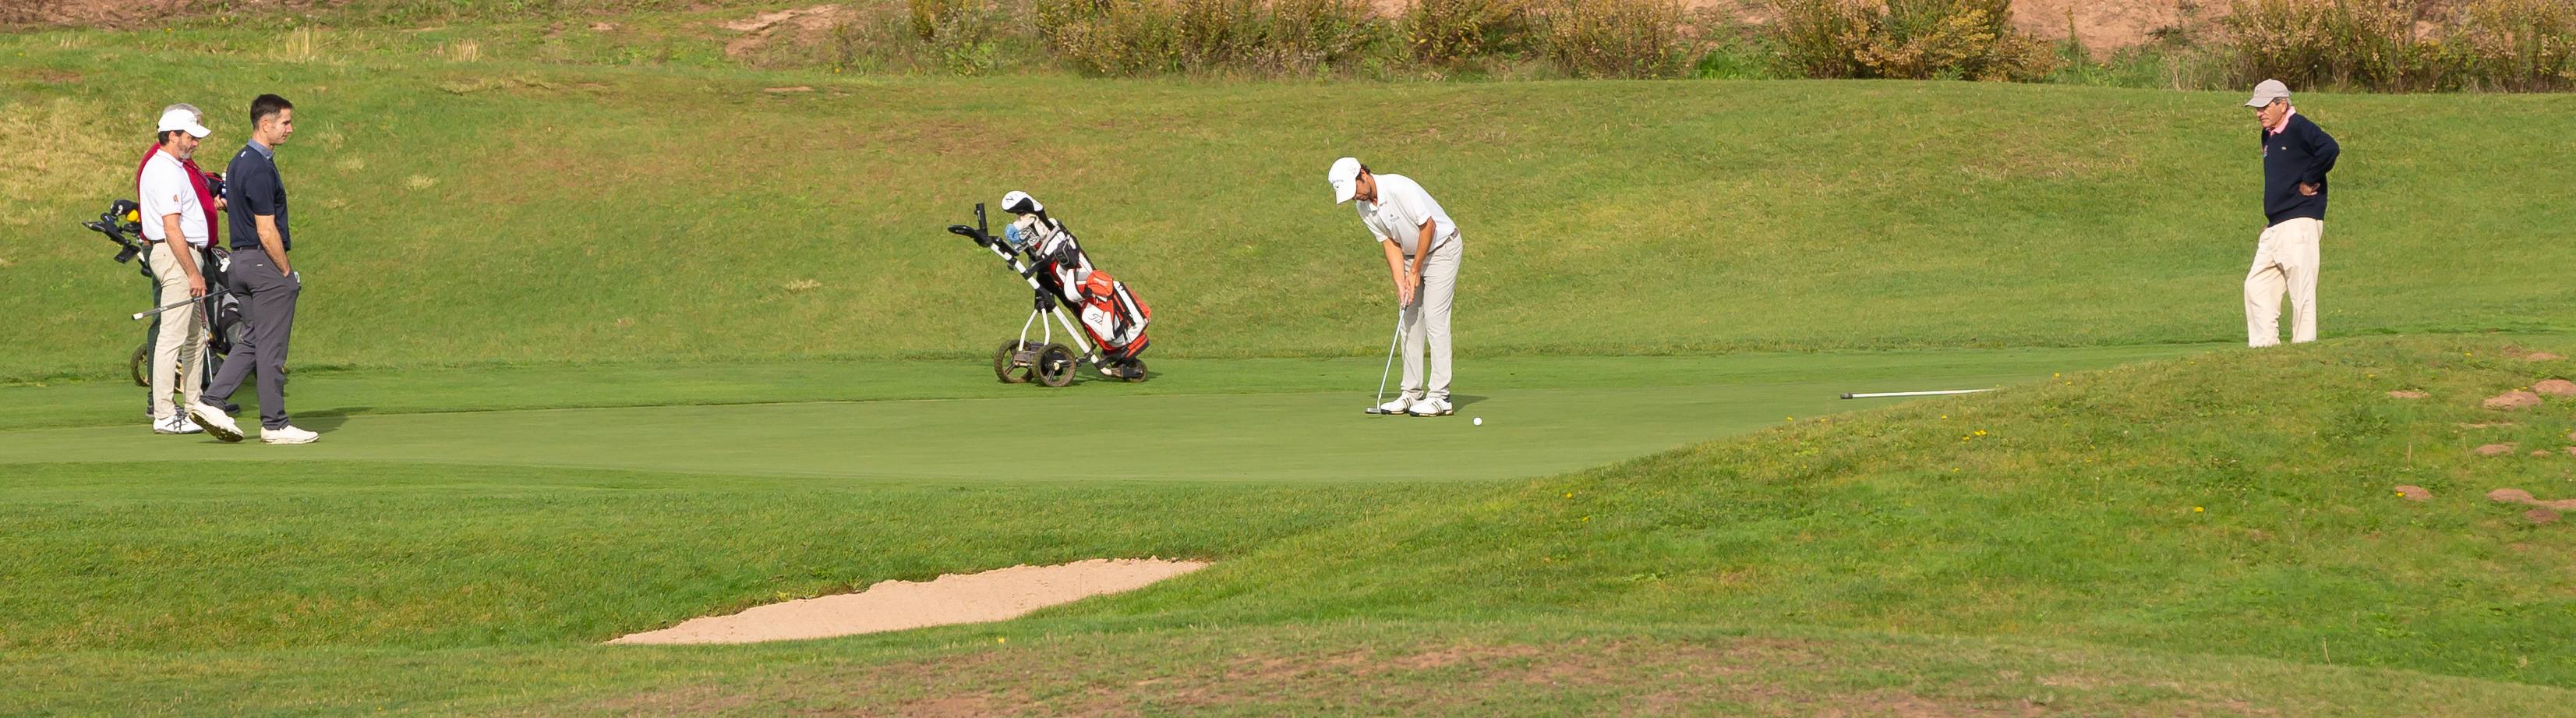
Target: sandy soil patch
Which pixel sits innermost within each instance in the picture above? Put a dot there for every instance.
(995, 595)
(2555, 387)
(2495, 449)
(2414, 493)
(2407, 394)
(2513, 400)
(761, 29)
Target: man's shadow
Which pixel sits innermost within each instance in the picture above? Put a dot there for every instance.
(327, 420)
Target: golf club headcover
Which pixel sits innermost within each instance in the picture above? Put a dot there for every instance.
(1020, 203)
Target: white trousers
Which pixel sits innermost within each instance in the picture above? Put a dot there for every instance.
(2285, 259)
(1427, 321)
(176, 351)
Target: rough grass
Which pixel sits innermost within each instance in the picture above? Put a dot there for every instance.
(588, 212)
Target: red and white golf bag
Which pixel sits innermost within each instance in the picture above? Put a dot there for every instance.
(1109, 311)
(1113, 315)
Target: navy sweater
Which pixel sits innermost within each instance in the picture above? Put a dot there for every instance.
(2301, 153)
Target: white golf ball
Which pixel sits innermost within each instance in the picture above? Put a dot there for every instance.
(1480, 421)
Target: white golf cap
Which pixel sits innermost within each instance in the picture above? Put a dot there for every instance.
(1345, 177)
(2267, 91)
(182, 120)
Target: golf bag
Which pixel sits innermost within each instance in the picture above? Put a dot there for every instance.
(1062, 281)
(1110, 312)
(122, 224)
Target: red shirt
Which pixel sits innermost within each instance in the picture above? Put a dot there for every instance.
(205, 193)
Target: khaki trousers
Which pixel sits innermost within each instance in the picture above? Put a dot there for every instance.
(2284, 259)
(1427, 321)
(182, 342)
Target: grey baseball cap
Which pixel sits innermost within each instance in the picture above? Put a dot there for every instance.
(2267, 91)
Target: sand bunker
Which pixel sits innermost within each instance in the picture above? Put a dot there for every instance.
(897, 605)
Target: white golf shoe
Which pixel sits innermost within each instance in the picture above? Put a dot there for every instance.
(176, 425)
(287, 435)
(1395, 407)
(1431, 407)
(214, 422)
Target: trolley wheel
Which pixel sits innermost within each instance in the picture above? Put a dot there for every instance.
(1135, 370)
(1006, 362)
(1056, 365)
(141, 365)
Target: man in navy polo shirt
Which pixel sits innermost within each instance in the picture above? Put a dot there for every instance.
(260, 270)
(2296, 157)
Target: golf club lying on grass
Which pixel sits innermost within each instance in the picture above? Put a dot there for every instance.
(1886, 394)
(138, 316)
(1378, 407)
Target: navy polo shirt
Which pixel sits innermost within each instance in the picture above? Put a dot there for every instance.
(251, 187)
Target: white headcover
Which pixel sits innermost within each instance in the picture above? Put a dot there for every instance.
(1018, 202)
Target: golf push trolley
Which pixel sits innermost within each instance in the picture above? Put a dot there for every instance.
(1061, 282)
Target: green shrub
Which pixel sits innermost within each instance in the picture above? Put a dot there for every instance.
(2524, 45)
(2363, 43)
(1614, 38)
(2519, 45)
(1447, 32)
(1142, 37)
(1908, 39)
(1818, 38)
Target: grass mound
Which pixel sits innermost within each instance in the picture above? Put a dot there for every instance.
(2242, 502)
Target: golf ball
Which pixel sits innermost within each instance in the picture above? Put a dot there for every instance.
(1480, 421)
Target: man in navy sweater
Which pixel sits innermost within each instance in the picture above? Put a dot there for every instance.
(2296, 157)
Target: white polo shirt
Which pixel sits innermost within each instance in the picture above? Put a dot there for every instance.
(1399, 212)
(165, 190)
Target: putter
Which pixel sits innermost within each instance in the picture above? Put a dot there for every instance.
(1390, 365)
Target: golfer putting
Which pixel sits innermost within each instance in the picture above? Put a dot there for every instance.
(1422, 249)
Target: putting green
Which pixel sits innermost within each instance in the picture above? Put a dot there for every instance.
(1202, 420)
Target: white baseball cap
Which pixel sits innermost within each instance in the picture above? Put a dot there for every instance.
(2267, 91)
(182, 120)
(1345, 177)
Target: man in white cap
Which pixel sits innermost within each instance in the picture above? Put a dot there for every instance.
(1422, 251)
(174, 222)
(2296, 157)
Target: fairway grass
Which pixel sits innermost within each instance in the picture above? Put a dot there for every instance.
(2161, 537)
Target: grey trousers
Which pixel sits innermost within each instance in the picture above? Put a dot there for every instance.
(268, 320)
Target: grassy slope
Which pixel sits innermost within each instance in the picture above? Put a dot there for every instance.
(2065, 535)
(613, 213)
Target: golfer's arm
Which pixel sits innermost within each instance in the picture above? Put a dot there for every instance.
(1422, 245)
(269, 242)
(178, 245)
(2322, 151)
(1394, 262)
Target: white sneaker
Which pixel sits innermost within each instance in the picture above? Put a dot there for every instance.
(214, 422)
(1395, 407)
(1431, 407)
(287, 435)
(176, 425)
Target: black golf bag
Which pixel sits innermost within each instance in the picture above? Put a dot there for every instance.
(122, 224)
